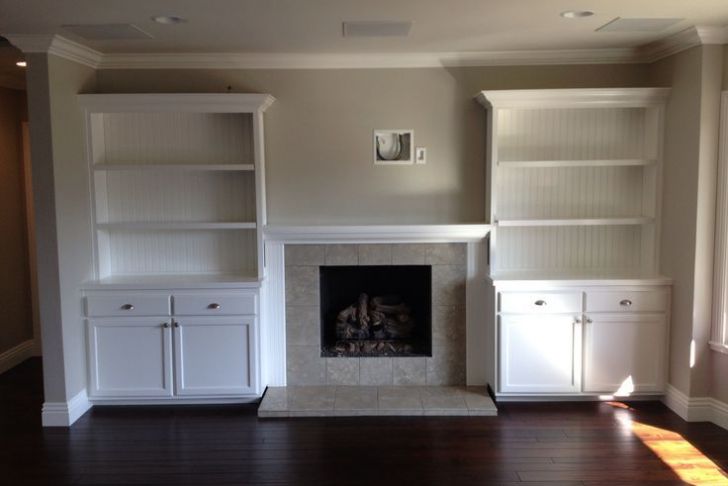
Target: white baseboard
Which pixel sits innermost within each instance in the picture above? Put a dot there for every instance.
(14, 356)
(64, 414)
(696, 409)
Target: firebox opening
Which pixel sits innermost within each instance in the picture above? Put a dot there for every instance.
(376, 311)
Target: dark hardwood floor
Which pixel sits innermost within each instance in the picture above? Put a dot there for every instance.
(565, 444)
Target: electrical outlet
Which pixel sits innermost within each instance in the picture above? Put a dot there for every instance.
(420, 155)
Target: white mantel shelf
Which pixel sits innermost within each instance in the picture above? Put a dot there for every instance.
(446, 233)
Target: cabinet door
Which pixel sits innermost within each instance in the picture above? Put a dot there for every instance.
(130, 357)
(624, 353)
(539, 354)
(215, 356)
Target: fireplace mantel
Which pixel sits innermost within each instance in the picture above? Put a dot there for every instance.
(433, 233)
(479, 333)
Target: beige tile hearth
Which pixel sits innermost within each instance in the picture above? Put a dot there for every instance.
(352, 401)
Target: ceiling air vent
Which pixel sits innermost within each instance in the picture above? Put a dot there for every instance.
(107, 31)
(638, 25)
(378, 28)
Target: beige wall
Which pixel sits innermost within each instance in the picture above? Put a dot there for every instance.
(689, 206)
(319, 134)
(16, 325)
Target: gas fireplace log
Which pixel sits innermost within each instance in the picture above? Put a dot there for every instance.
(364, 312)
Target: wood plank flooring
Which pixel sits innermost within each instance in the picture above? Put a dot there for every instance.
(564, 444)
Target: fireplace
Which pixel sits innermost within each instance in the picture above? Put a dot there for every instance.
(376, 311)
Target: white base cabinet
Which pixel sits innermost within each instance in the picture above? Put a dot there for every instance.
(212, 352)
(130, 357)
(539, 354)
(624, 353)
(572, 340)
(213, 355)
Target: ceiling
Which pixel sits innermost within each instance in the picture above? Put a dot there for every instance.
(315, 26)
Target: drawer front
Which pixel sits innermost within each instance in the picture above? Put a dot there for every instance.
(539, 302)
(215, 303)
(127, 304)
(627, 301)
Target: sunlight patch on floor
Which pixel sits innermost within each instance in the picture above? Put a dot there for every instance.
(691, 465)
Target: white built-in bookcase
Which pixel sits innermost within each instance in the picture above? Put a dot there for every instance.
(574, 181)
(178, 185)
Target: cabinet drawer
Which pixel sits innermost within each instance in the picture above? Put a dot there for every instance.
(540, 302)
(215, 303)
(127, 304)
(627, 301)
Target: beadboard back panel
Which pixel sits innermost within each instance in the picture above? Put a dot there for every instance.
(176, 196)
(569, 192)
(571, 134)
(561, 249)
(173, 138)
(160, 252)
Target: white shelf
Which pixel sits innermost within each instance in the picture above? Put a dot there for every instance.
(176, 167)
(576, 163)
(177, 281)
(603, 276)
(176, 226)
(574, 222)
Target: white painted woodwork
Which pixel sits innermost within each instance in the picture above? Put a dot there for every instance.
(215, 356)
(624, 325)
(627, 301)
(539, 354)
(540, 302)
(196, 303)
(127, 304)
(574, 179)
(178, 184)
(624, 350)
(130, 357)
(161, 252)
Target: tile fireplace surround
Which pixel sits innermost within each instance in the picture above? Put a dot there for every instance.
(306, 367)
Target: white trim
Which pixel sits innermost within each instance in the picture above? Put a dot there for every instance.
(718, 347)
(273, 317)
(176, 102)
(380, 60)
(247, 398)
(58, 46)
(65, 48)
(64, 414)
(573, 98)
(448, 233)
(696, 409)
(16, 355)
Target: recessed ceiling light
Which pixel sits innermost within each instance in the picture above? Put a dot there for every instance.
(21, 63)
(577, 14)
(169, 19)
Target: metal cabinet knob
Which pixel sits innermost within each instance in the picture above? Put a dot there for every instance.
(540, 303)
(577, 320)
(165, 325)
(127, 307)
(625, 303)
(176, 324)
(588, 320)
(214, 306)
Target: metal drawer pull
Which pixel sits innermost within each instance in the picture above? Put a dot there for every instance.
(588, 320)
(165, 325)
(540, 303)
(127, 307)
(577, 320)
(625, 303)
(176, 324)
(214, 306)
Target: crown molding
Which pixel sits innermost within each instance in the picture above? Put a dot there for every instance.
(681, 41)
(363, 60)
(58, 46)
(68, 49)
